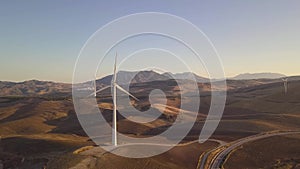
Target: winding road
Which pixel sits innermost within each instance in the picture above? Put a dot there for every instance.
(221, 156)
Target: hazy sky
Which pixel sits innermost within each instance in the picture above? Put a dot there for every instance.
(42, 39)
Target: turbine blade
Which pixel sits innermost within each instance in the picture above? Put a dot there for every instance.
(123, 90)
(100, 90)
(115, 69)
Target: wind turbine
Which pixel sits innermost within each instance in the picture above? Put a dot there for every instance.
(115, 86)
(285, 84)
(95, 86)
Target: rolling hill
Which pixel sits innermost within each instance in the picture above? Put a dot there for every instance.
(44, 131)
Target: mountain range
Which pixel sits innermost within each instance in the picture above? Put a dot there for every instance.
(35, 87)
(247, 76)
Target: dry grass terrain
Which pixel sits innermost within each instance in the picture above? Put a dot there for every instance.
(39, 131)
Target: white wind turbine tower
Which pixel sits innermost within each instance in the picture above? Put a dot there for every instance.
(115, 86)
(285, 84)
(95, 86)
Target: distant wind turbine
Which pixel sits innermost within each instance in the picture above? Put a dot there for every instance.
(95, 86)
(285, 84)
(115, 86)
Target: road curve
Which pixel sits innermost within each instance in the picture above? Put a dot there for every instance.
(203, 159)
(217, 161)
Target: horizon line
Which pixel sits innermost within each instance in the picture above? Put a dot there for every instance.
(227, 77)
